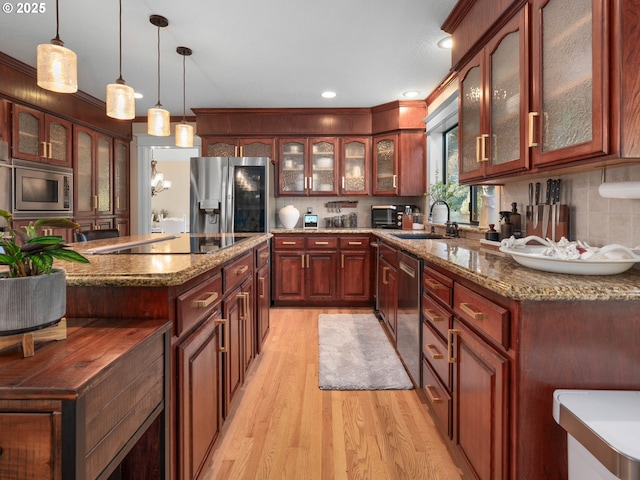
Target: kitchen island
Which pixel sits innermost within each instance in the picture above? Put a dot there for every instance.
(497, 340)
(214, 290)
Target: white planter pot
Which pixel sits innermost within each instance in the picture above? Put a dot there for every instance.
(439, 213)
(28, 303)
(289, 216)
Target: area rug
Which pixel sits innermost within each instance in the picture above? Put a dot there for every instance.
(355, 354)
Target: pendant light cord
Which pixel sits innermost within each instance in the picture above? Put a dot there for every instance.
(184, 88)
(120, 25)
(57, 24)
(158, 105)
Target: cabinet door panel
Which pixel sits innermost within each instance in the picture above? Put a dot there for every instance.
(263, 303)
(103, 170)
(292, 167)
(84, 192)
(289, 280)
(248, 324)
(256, 147)
(354, 175)
(471, 96)
(480, 395)
(233, 342)
(385, 165)
(121, 177)
(59, 138)
(28, 126)
(223, 147)
(200, 401)
(320, 276)
(355, 271)
(323, 167)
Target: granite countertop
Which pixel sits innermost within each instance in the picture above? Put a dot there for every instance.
(503, 275)
(149, 270)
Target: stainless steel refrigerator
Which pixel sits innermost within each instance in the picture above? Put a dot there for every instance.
(231, 195)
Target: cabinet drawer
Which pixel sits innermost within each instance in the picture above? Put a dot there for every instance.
(437, 285)
(438, 398)
(434, 350)
(236, 272)
(488, 317)
(354, 243)
(388, 253)
(198, 303)
(288, 242)
(436, 316)
(26, 441)
(315, 242)
(262, 255)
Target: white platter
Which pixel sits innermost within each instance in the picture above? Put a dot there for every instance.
(531, 256)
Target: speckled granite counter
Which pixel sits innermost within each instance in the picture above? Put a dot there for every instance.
(151, 270)
(503, 275)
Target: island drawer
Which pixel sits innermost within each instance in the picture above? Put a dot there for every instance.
(288, 242)
(354, 242)
(198, 303)
(315, 242)
(437, 285)
(438, 397)
(388, 253)
(236, 272)
(434, 350)
(487, 316)
(438, 317)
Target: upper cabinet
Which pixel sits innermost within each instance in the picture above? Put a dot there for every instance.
(41, 137)
(237, 147)
(120, 177)
(354, 165)
(493, 105)
(577, 62)
(399, 163)
(92, 173)
(568, 114)
(385, 165)
(308, 166)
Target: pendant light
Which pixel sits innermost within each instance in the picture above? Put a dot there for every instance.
(158, 119)
(57, 66)
(120, 101)
(184, 131)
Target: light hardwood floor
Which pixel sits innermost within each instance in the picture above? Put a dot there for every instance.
(284, 427)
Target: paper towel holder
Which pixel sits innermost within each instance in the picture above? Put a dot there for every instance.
(628, 190)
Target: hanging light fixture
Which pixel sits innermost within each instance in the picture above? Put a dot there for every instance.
(120, 101)
(158, 183)
(57, 66)
(184, 131)
(158, 119)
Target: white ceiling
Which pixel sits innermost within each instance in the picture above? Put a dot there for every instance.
(247, 53)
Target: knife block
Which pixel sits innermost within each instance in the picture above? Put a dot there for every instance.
(562, 222)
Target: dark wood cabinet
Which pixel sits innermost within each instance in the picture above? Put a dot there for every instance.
(354, 163)
(308, 166)
(199, 392)
(399, 163)
(262, 294)
(5, 128)
(388, 292)
(320, 270)
(41, 137)
(93, 173)
(385, 165)
(237, 147)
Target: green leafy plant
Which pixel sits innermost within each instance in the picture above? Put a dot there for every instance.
(27, 253)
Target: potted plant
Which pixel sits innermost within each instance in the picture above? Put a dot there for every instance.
(32, 292)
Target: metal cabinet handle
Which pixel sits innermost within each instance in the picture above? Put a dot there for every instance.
(484, 157)
(395, 181)
(242, 269)
(308, 261)
(95, 202)
(473, 312)
(302, 257)
(289, 243)
(264, 256)
(261, 287)
(450, 345)
(225, 326)
(355, 243)
(310, 183)
(244, 296)
(432, 315)
(430, 389)
(478, 149)
(343, 183)
(433, 351)
(342, 261)
(212, 296)
(384, 275)
(433, 285)
(322, 243)
(44, 149)
(532, 115)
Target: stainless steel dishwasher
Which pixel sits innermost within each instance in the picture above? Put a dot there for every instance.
(408, 330)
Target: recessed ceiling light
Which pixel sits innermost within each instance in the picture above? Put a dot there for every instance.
(328, 94)
(446, 42)
(411, 94)
(137, 95)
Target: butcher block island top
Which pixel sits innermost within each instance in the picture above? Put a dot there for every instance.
(502, 275)
(154, 260)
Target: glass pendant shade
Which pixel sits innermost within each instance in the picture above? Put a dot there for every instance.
(120, 101)
(158, 121)
(57, 68)
(184, 135)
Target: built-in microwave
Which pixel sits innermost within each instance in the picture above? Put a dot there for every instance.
(41, 190)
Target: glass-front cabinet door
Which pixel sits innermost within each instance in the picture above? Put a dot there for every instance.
(41, 138)
(121, 177)
(322, 179)
(292, 167)
(470, 124)
(58, 141)
(567, 117)
(83, 172)
(354, 174)
(103, 168)
(385, 165)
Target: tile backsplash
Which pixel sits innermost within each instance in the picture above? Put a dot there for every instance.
(593, 219)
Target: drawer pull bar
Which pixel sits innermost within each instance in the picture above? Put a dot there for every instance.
(264, 256)
(244, 296)
(433, 351)
(384, 275)
(450, 346)
(223, 322)
(430, 389)
(322, 243)
(355, 243)
(289, 243)
(261, 287)
(242, 269)
(342, 261)
(432, 315)
(212, 296)
(473, 312)
(302, 257)
(433, 285)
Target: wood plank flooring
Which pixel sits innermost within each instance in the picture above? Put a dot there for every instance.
(284, 427)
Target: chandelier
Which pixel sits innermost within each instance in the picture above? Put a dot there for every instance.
(158, 183)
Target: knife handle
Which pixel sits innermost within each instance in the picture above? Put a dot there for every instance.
(537, 193)
(549, 183)
(530, 193)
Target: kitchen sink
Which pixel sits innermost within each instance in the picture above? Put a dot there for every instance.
(419, 236)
